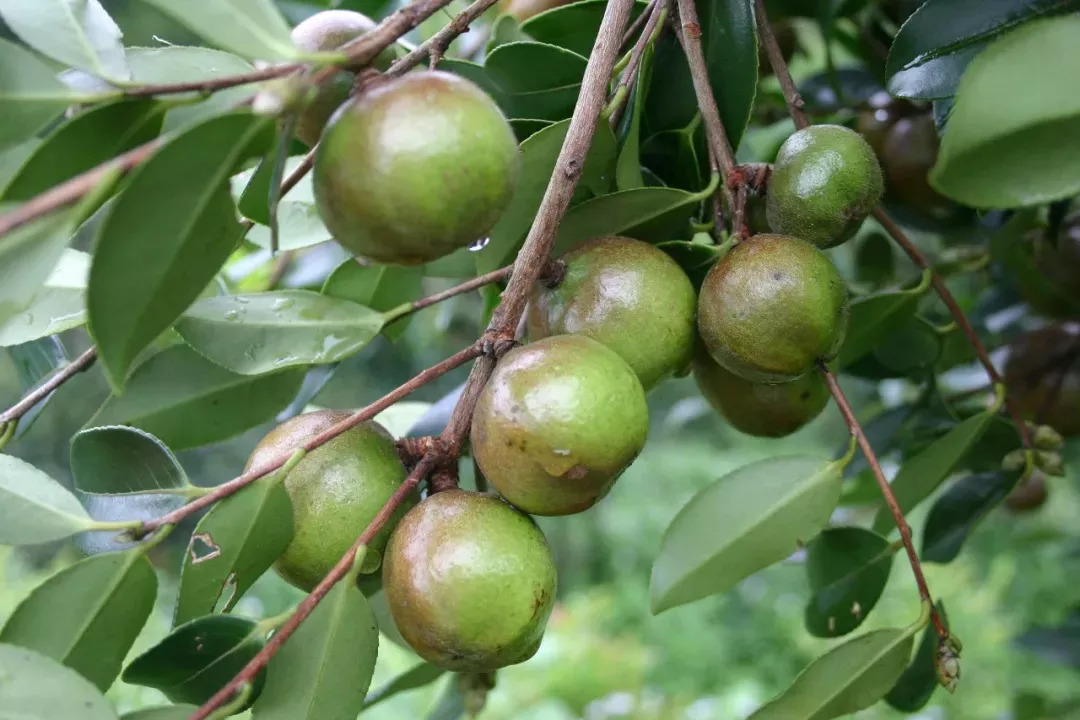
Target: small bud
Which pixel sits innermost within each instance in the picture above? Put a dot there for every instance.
(1047, 438)
(1014, 461)
(288, 94)
(947, 663)
(1050, 463)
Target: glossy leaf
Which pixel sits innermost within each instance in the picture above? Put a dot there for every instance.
(538, 156)
(415, 677)
(78, 33)
(87, 616)
(936, 78)
(847, 568)
(33, 362)
(910, 349)
(299, 224)
(122, 460)
(379, 287)
(919, 681)
(198, 658)
(745, 521)
(920, 475)
(875, 317)
(188, 401)
(526, 93)
(253, 334)
(848, 678)
(59, 305)
(959, 510)
(92, 137)
(232, 546)
(176, 224)
(572, 26)
(1030, 154)
(324, 671)
(251, 28)
(942, 28)
(162, 712)
(34, 508)
(43, 689)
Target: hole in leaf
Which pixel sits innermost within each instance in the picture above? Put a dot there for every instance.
(203, 548)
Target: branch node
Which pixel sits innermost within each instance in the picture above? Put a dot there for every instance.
(411, 449)
(692, 30)
(553, 274)
(572, 168)
(496, 343)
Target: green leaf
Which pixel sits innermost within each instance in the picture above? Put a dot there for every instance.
(299, 223)
(198, 658)
(504, 30)
(188, 401)
(910, 349)
(745, 521)
(254, 334)
(920, 475)
(676, 156)
(27, 257)
(90, 138)
(78, 33)
(324, 671)
(628, 167)
(41, 689)
(694, 258)
(13, 158)
(58, 306)
(526, 93)
(176, 63)
(847, 568)
(848, 678)
(251, 28)
(1009, 249)
(33, 362)
(162, 712)
(874, 317)
(538, 156)
(451, 702)
(942, 30)
(34, 508)
(176, 224)
(379, 287)
(413, 678)
(87, 616)
(1027, 151)
(919, 681)
(232, 546)
(31, 94)
(572, 26)
(123, 460)
(959, 510)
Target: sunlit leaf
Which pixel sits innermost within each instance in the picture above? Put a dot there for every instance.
(42, 689)
(252, 28)
(379, 287)
(34, 508)
(78, 33)
(59, 305)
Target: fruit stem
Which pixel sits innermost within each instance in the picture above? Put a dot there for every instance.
(886, 491)
(75, 367)
(654, 26)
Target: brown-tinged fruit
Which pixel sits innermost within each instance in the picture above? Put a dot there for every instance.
(771, 308)
(876, 119)
(909, 151)
(1028, 496)
(415, 168)
(1055, 289)
(327, 31)
(470, 581)
(760, 409)
(336, 490)
(557, 423)
(1042, 377)
(626, 294)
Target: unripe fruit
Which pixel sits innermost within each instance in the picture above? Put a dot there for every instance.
(825, 181)
(627, 295)
(1055, 290)
(909, 151)
(469, 581)
(771, 308)
(1028, 496)
(522, 10)
(415, 168)
(881, 112)
(756, 408)
(557, 423)
(1042, 377)
(336, 491)
(324, 32)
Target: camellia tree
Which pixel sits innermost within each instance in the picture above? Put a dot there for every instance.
(641, 191)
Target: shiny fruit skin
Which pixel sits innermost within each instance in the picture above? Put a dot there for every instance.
(757, 408)
(825, 181)
(626, 294)
(557, 423)
(470, 581)
(415, 168)
(323, 32)
(771, 308)
(1042, 377)
(909, 151)
(336, 490)
(522, 10)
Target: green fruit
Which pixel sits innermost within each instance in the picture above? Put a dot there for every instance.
(470, 582)
(1042, 377)
(415, 168)
(627, 295)
(771, 308)
(757, 408)
(324, 32)
(336, 491)
(557, 423)
(825, 182)
(909, 151)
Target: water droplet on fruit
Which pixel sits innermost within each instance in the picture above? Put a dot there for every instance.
(232, 315)
(479, 244)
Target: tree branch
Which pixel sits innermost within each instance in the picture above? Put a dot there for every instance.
(437, 44)
(76, 366)
(767, 38)
(477, 282)
(654, 25)
(886, 491)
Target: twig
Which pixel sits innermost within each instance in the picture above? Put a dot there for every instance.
(657, 14)
(76, 366)
(767, 37)
(469, 285)
(230, 487)
(632, 31)
(281, 266)
(739, 226)
(437, 44)
(886, 491)
(212, 85)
